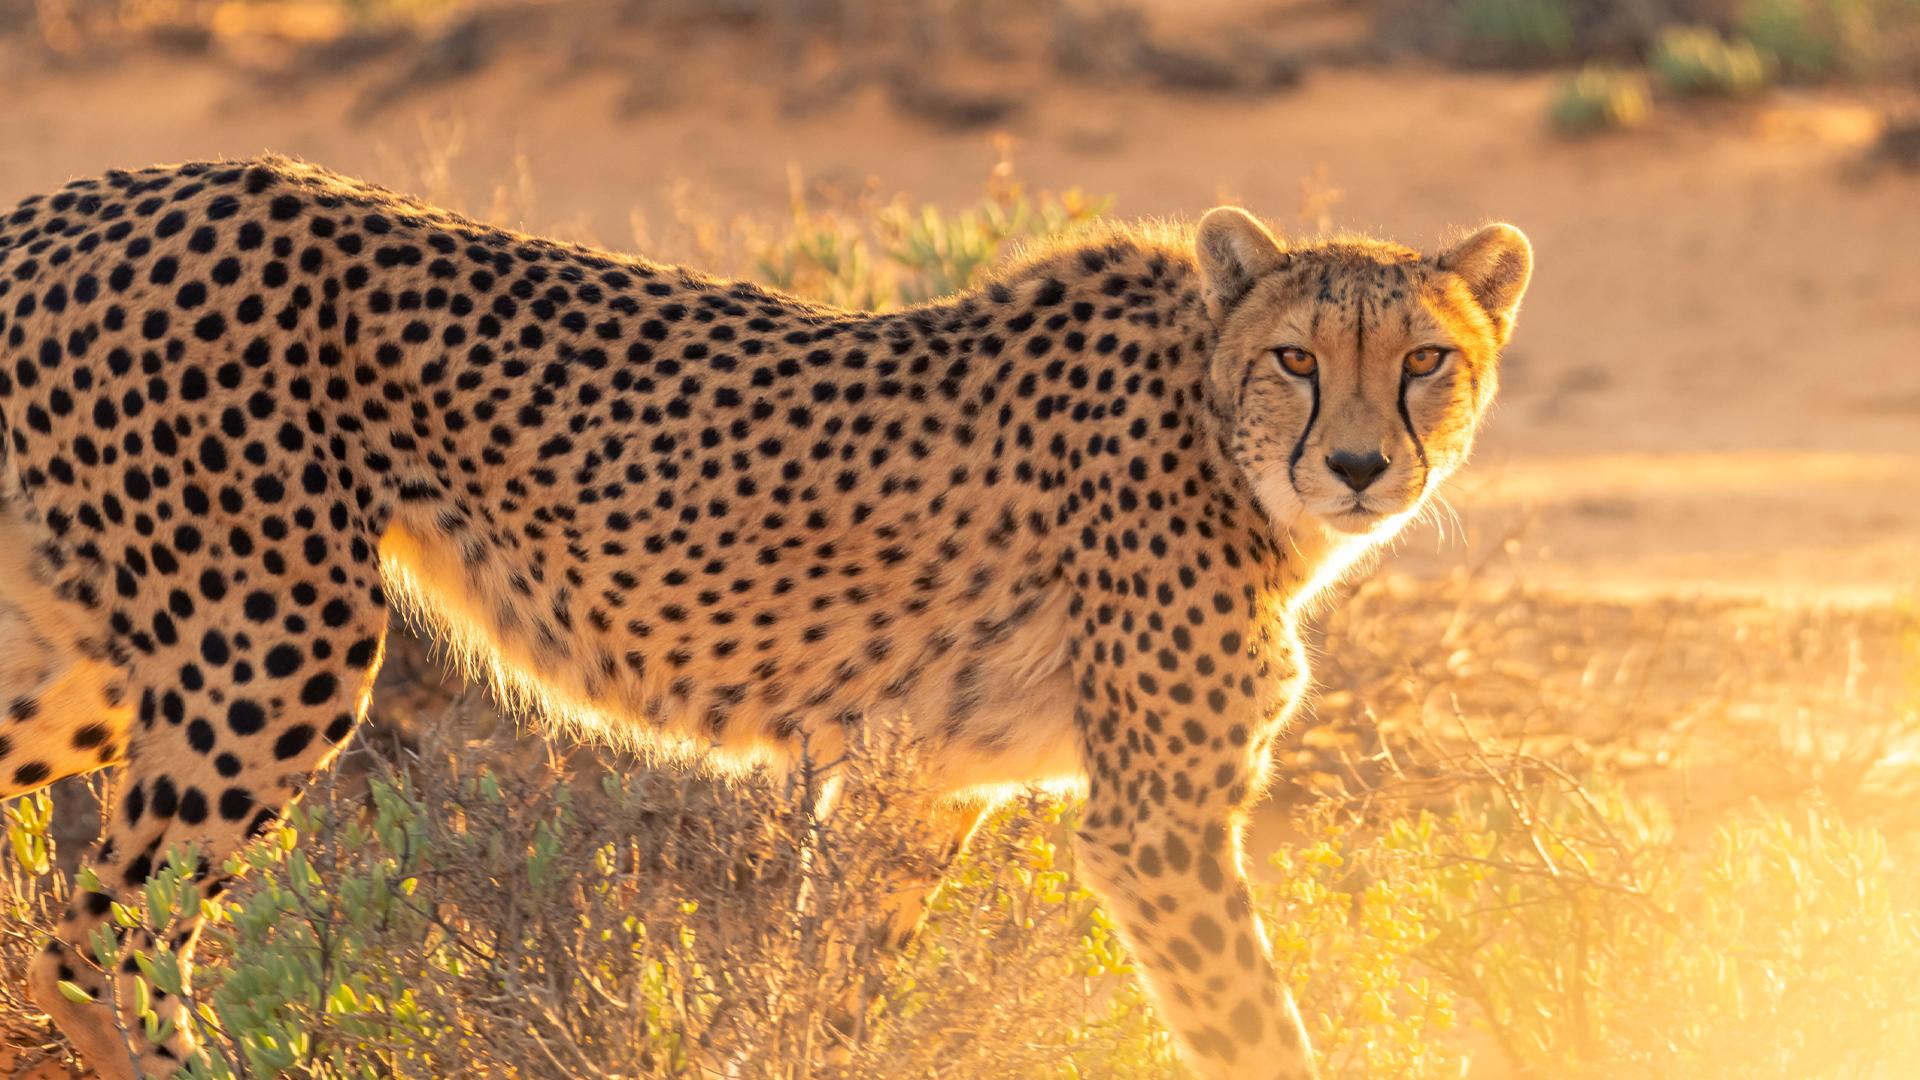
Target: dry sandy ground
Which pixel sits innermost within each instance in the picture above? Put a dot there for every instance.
(1714, 387)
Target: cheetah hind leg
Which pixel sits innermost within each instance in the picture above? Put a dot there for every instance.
(184, 787)
(62, 713)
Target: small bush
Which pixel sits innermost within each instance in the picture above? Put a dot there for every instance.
(1599, 98)
(1524, 31)
(1815, 39)
(903, 254)
(1697, 61)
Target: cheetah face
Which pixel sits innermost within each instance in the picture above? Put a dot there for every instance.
(1352, 375)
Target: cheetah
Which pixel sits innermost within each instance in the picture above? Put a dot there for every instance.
(1063, 525)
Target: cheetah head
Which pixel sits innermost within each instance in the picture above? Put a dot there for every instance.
(1350, 376)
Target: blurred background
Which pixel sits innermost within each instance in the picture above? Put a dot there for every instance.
(1652, 671)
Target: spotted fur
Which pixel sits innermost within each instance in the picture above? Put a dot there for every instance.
(1065, 523)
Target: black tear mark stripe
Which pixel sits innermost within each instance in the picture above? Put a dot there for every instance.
(1406, 418)
(1313, 414)
(1360, 336)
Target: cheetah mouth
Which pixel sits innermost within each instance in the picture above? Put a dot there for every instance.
(1354, 517)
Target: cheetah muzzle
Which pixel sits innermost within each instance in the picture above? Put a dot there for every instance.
(1064, 524)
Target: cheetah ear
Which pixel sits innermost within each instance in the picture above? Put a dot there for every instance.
(1496, 263)
(1234, 251)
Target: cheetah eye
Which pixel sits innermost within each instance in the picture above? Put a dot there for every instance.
(1426, 360)
(1296, 361)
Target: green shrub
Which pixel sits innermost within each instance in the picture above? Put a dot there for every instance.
(1697, 61)
(1599, 98)
(1815, 39)
(1526, 31)
(311, 972)
(906, 254)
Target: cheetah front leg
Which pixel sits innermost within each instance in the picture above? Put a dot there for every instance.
(1170, 745)
(1175, 888)
(212, 763)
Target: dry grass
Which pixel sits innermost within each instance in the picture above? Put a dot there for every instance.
(1565, 835)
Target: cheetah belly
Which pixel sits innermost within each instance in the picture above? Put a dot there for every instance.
(1003, 714)
(983, 681)
(485, 627)
(1022, 734)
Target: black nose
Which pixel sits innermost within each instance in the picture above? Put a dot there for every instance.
(1357, 469)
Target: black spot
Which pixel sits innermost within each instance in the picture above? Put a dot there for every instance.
(292, 742)
(193, 806)
(360, 653)
(91, 736)
(245, 717)
(235, 804)
(166, 798)
(319, 689)
(282, 661)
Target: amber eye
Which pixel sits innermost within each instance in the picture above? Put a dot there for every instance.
(1297, 361)
(1426, 361)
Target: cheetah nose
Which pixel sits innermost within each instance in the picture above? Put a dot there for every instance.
(1359, 470)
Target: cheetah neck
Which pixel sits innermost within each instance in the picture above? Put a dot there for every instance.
(1150, 280)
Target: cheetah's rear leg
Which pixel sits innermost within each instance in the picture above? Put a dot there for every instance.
(63, 707)
(212, 763)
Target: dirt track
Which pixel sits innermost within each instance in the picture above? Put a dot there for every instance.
(1714, 387)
